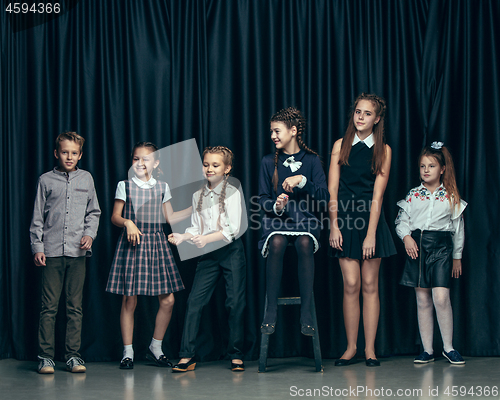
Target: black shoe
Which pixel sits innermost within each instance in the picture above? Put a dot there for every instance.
(372, 362)
(161, 361)
(342, 362)
(237, 367)
(127, 363)
(268, 329)
(189, 366)
(307, 330)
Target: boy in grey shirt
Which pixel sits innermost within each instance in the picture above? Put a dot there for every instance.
(64, 226)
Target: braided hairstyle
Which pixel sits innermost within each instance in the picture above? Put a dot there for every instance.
(154, 150)
(227, 159)
(448, 179)
(378, 133)
(290, 116)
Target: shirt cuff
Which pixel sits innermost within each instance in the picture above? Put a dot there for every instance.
(278, 213)
(302, 182)
(457, 256)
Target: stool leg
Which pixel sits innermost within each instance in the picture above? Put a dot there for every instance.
(264, 345)
(315, 339)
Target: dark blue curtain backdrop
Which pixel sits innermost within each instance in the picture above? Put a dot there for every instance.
(120, 71)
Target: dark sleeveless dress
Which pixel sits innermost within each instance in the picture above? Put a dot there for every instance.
(354, 201)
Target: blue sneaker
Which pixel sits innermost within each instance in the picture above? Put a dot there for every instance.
(454, 357)
(424, 358)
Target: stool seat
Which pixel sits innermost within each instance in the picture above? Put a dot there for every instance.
(264, 341)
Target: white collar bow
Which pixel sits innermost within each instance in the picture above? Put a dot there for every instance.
(290, 162)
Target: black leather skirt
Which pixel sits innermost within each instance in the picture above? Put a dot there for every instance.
(434, 263)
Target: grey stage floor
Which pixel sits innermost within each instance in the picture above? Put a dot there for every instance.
(285, 378)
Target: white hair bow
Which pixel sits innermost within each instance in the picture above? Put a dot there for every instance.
(290, 162)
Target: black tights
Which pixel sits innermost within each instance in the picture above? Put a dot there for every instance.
(304, 246)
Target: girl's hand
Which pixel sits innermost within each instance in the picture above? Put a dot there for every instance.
(86, 243)
(457, 269)
(336, 239)
(290, 182)
(369, 247)
(176, 238)
(281, 201)
(133, 233)
(411, 247)
(199, 240)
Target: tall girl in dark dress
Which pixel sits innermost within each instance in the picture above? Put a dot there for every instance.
(290, 181)
(358, 176)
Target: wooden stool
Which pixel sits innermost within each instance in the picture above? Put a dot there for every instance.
(264, 341)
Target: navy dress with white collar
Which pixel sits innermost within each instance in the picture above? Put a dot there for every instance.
(301, 215)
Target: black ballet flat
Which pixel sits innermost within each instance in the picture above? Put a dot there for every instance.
(161, 361)
(268, 329)
(307, 330)
(127, 363)
(237, 367)
(183, 367)
(372, 362)
(342, 362)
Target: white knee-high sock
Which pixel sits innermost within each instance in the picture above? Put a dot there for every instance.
(425, 314)
(442, 302)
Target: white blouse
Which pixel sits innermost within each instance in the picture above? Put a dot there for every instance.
(428, 211)
(207, 220)
(121, 194)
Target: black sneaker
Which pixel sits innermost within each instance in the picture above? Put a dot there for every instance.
(454, 357)
(424, 358)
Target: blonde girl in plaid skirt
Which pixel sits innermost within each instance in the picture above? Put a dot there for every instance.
(143, 263)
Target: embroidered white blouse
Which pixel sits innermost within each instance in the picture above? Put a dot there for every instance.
(207, 220)
(428, 211)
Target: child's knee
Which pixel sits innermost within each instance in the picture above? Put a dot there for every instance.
(129, 303)
(167, 302)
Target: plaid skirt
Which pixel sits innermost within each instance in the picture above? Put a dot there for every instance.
(146, 269)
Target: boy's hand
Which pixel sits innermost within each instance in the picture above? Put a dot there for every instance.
(457, 268)
(411, 247)
(176, 238)
(199, 240)
(133, 233)
(39, 259)
(86, 243)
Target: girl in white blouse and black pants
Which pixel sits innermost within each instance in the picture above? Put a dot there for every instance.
(430, 223)
(216, 227)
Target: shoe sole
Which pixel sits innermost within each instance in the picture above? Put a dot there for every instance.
(423, 362)
(46, 370)
(453, 362)
(238, 369)
(189, 368)
(78, 370)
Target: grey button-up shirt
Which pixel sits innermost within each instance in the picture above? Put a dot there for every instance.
(66, 209)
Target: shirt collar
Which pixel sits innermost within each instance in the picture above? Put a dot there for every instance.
(440, 187)
(217, 190)
(297, 156)
(369, 141)
(144, 185)
(70, 174)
